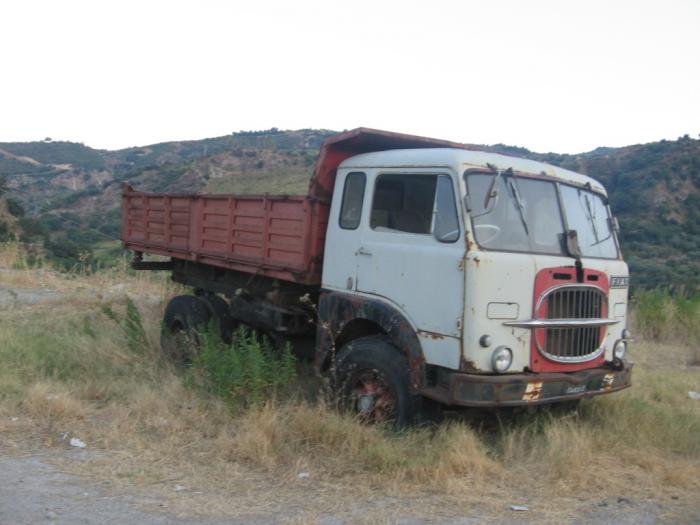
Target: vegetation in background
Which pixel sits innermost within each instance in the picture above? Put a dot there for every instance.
(59, 152)
(73, 190)
(660, 316)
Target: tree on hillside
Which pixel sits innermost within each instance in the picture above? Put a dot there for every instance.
(3, 185)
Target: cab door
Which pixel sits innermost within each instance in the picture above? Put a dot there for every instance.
(412, 253)
(343, 234)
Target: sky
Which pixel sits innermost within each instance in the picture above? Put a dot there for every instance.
(562, 76)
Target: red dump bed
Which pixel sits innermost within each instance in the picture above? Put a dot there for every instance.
(280, 237)
(276, 236)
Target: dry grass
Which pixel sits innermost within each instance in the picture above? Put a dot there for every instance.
(67, 371)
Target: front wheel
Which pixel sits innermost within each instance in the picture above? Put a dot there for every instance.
(373, 382)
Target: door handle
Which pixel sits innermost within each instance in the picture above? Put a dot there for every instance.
(361, 251)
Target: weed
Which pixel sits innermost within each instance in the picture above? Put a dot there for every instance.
(136, 338)
(245, 372)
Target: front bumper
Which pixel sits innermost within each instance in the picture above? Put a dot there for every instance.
(474, 390)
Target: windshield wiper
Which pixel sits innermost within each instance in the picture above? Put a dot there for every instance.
(591, 216)
(518, 203)
(492, 192)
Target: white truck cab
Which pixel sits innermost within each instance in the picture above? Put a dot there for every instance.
(502, 267)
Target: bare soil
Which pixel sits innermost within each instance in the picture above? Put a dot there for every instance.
(40, 488)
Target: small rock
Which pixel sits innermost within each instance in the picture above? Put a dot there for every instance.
(51, 397)
(75, 442)
(14, 419)
(603, 504)
(694, 395)
(623, 500)
(674, 497)
(51, 515)
(519, 508)
(179, 488)
(303, 475)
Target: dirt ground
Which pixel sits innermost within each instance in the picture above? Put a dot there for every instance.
(37, 489)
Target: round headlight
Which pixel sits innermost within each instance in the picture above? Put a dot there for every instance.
(626, 334)
(485, 340)
(501, 359)
(620, 349)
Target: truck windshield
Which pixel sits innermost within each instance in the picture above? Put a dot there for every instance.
(523, 215)
(587, 214)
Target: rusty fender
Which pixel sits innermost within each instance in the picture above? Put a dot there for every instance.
(337, 309)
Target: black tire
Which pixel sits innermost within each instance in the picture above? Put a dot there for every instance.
(373, 381)
(186, 316)
(220, 312)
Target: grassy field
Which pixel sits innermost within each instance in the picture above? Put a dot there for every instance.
(78, 368)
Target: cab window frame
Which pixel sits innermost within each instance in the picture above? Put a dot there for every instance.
(345, 199)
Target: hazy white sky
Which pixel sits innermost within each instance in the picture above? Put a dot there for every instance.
(558, 76)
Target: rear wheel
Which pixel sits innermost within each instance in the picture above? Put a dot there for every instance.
(221, 313)
(373, 382)
(186, 316)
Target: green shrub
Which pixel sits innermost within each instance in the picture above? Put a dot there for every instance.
(15, 208)
(5, 234)
(244, 373)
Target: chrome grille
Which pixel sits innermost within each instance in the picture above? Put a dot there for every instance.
(577, 343)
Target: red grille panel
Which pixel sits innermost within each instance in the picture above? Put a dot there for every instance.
(559, 295)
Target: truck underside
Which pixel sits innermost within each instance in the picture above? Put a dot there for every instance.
(321, 323)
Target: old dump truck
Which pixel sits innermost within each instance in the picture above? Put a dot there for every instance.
(433, 274)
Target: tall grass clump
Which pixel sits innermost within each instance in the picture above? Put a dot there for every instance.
(132, 326)
(660, 316)
(245, 372)
(19, 256)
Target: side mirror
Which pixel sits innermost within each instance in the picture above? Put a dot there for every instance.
(614, 224)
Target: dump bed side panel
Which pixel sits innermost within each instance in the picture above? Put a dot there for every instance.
(275, 236)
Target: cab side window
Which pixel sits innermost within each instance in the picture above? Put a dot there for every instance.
(353, 197)
(403, 203)
(422, 204)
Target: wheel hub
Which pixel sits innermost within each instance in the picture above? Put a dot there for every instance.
(375, 401)
(365, 403)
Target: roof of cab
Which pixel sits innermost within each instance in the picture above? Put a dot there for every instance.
(464, 159)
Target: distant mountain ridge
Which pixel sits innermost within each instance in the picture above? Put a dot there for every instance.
(71, 191)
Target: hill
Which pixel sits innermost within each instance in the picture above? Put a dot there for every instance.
(71, 191)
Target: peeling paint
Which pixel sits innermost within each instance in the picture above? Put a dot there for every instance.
(431, 335)
(337, 308)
